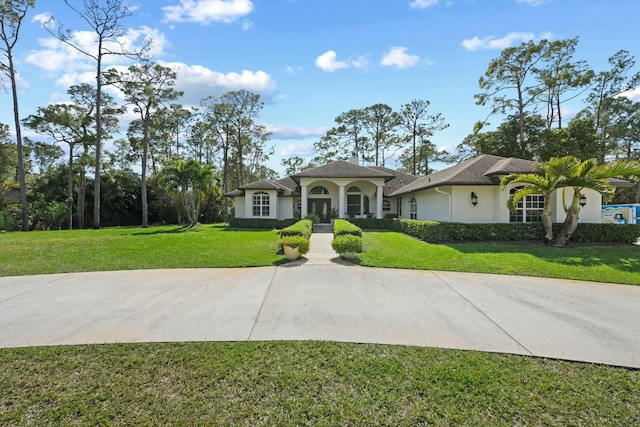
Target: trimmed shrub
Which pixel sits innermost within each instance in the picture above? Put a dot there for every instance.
(315, 219)
(434, 231)
(263, 224)
(347, 243)
(612, 233)
(300, 242)
(342, 227)
(304, 228)
(373, 223)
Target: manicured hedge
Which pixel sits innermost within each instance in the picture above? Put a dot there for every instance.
(342, 227)
(613, 233)
(434, 231)
(304, 228)
(346, 243)
(268, 224)
(373, 223)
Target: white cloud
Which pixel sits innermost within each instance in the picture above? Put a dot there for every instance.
(328, 62)
(423, 4)
(205, 12)
(198, 82)
(534, 2)
(491, 42)
(633, 95)
(399, 58)
(283, 132)
(293, 70)
(41, 18)
(57, 56)
(297, 149)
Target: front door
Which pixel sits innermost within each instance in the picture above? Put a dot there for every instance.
(322, 208)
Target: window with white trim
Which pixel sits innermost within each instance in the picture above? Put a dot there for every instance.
(386, 204)
(260, 204)
(413, 208)
(529, 209)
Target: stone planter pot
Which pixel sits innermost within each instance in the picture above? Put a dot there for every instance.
(291, 253)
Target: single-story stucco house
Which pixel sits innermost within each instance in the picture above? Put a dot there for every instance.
(467, 192)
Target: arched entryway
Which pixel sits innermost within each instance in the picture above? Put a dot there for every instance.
(319, 204)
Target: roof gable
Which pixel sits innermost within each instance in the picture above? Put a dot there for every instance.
(342, 169)
(477, 171)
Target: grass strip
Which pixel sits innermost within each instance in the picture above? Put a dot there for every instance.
(613, 264)
(306, 383)
(132, 248)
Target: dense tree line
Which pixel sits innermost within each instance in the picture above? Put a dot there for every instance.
(175, 162)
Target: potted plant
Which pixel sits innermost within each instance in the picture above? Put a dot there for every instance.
(294, 246)
(347, 245)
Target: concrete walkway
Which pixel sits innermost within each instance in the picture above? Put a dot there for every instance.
(324, 298)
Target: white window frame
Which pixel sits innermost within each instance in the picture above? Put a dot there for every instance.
(261, 204)
(413, 208)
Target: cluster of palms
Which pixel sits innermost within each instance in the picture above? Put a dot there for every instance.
(560, 173)
(188, 182)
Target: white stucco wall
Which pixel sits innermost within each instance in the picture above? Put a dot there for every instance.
(591, 212)
(285, 207)
(486, 211)
(239, 207)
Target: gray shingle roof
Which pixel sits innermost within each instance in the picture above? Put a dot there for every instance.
(477, 171)
(342, 169)
(400, 179)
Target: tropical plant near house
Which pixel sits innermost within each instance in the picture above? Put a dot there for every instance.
(589, 174)
(188, 182)
(548, 177)
(564, 172)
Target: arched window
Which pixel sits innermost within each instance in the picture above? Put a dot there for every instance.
(260, 204)
(528, 209)
(413, 208)
(319, 190)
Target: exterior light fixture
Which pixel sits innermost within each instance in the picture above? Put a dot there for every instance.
(474, 198)
(583, 200)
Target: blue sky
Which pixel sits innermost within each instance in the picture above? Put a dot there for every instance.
(311, 60)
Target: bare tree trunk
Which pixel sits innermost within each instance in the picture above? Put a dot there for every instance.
(547, 226)
(143, 181)
(70, 188)
(569, 226)
(82, 191)
(21, 171)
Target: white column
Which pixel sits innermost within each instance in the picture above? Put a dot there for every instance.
(379, 197)
(341, 207)
(304, 205)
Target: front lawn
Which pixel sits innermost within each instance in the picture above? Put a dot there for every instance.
(306, 383)
(613, 263)
(131, 248)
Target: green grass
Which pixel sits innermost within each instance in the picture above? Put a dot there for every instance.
(614, 263)
(306, 383)
(135, 248)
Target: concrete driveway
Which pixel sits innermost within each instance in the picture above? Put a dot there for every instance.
(326, 300)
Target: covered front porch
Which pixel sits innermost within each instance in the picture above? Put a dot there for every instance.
(341, 198)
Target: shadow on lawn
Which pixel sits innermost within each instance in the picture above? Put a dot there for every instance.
(621, 257)
(178, 230)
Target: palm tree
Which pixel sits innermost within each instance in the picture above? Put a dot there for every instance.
(547, 178)
(563, 172)
(589, 174)
(189, 182)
